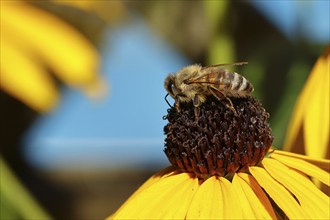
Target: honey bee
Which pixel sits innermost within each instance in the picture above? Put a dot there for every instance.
(196, 83)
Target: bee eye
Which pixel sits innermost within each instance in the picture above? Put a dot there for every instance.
(169, 87)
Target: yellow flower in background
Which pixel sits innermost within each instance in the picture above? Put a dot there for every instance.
(309, 129)
(34, 41)
(35, 44)
(220, 170)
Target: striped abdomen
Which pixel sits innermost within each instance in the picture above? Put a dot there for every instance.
(236, 85)
(229, 83)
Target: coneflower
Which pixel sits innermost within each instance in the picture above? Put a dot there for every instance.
(223, 168)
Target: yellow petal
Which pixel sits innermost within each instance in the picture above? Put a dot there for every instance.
(321, 163)
(169, 197)
(256, 196)
(178, 201)
(207, 203)
(314, 202)
(67, 52)
(316, 126)
(244, 203)
(169, 171)
(152, 180)
(294, 128)
(278, 193)
(255, 204)
(23, 78)
(311, 113)
(231, 206)
(305, 167)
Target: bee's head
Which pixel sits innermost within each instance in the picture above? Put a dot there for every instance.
(177, 85)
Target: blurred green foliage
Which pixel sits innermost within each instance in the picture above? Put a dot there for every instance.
(221, 44)
(16, 201)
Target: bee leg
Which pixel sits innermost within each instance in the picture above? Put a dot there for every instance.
(177, 106)
(197, 110)
(223, 98)
(230, 105)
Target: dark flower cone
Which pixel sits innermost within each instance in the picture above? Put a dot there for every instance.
(218, 142)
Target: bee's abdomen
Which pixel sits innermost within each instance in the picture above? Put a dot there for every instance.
(239, 86)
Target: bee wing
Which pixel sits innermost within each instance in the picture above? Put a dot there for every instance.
(215, 74)
(211, 76)
(225, 65)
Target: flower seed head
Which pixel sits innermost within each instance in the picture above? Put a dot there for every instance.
(218, 142)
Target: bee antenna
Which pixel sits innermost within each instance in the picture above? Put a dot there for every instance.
(167, 100)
